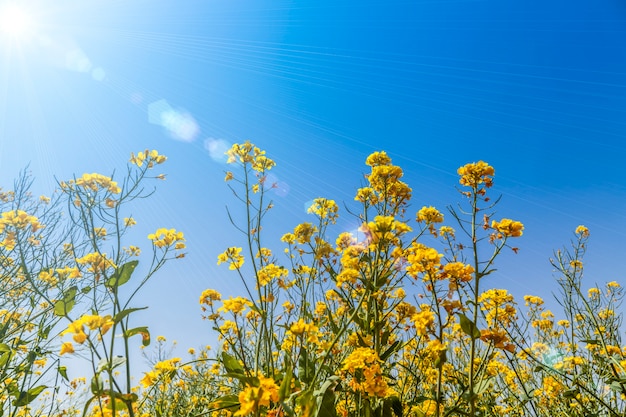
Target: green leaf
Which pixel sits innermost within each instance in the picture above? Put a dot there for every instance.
(87, 405)
(44, 331)
(64, 306)
(231, 364)
(26, 397)
(97, 385)
(285, 385)
(392, 405)
(122, 274)
(306, 367)
(119, 316)
(143, 331)
(326, 398)
(481, 386)
(390, 350)
(109, 366)
(443, 358)
(62, 370)
(227, 401)
(570, 393)
(468, 327)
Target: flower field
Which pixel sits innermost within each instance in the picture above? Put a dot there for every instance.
(399, 319)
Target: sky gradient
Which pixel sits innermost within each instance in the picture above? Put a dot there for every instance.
(535, 88)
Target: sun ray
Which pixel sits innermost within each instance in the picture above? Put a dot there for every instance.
(15, 21)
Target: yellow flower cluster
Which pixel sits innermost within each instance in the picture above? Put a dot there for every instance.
(363, 368)
(19, 219)
(582, 231)
(384, 180)
(234, 305)
(475, 174)
(429, 408)
(150, 157)
(458, 271)
(507, 228)
(324, 209)
(385, 229)
(423, 321)
(52, 277)
(93, 182)
(367, 196)
(498, 305)
(208, 296)
(247, 153)
(498, 337)
(77, 329)
(162, 371)
(422, 259)
(14, 220)
(377, 159)
(97, 263)
(164, 238)
(300, 330)
(232, 255)
(429, 215)
(270, 272)
(253, 397)
(533, 300)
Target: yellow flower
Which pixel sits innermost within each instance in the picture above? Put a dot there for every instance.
(499, 307)
(429, 407)
(474, 174)
(152, 157)
(366, 195)
(508, 228)
(446, 231)
(422, 259)
(458, 272)
(164, 238)
(129, 221)
(270, 272)
(96, 182)
(429, 215)
(324, 209)
(247, 153)
(423, 321)
(378, 158)
(303, 232)
(582, 231)
(208, 296)
(363, 368)
(234, 305)
(98, 262)
(576, 264)
(67, 347)
(384, 228)
(232, 255)
(533, 299)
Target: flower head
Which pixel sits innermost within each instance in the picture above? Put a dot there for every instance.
(475, 174)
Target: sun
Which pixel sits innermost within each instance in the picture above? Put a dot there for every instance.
(15, 21)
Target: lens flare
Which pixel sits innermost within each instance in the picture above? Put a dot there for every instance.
(14, 21)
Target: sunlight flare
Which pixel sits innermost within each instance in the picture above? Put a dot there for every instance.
(15, 21)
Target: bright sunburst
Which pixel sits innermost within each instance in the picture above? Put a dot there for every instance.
(15, 21)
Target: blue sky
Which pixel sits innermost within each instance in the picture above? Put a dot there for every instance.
(536, 88)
